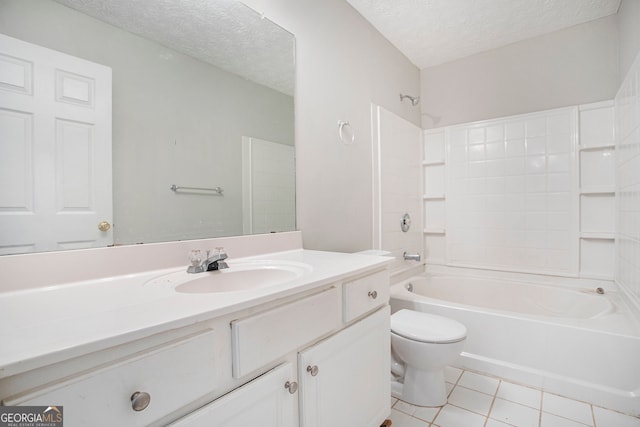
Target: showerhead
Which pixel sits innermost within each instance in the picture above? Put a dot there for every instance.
(415, 100)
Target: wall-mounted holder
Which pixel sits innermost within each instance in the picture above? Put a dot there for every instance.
(344, 129)
(405, 223)
(415, 100)
(197, 190)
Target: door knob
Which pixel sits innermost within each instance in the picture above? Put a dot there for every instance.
(104, 226)
(313, 370)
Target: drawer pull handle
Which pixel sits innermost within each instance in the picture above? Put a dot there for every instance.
(313, 370)
(292, 386)
(373, 294)
(140, 400)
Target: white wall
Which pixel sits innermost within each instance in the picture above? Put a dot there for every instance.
(628, 18)
(343, 65)
(573, 66)
(188, 134)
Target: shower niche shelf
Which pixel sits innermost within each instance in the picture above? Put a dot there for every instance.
(434, 155)
(434, 231)
(597, 147)
(433, 163)
(597, 193)
(596, 236)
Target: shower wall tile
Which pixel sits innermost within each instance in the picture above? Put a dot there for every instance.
(597, 213)
(434, 149)
(434, 180)
(597, 127)
(597, 257)
(434, 215)
(435, 248)
(511, 193)
(627, 131)
(597, 170)
(521, 194)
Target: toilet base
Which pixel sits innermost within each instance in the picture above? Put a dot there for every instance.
(421, 388)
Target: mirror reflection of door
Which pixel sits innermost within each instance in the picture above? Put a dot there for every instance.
(268, 186)
(55, 150)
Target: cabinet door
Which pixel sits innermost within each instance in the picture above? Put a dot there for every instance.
(344, 380)
(264, 402)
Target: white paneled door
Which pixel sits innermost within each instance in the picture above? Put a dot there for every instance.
(55, 150)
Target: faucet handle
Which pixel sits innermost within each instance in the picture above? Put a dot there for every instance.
(195, 257)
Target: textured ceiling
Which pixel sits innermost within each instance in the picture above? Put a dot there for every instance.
(432, 32)
(225, 33)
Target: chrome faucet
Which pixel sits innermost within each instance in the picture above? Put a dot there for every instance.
(411, 257)
(210, 263)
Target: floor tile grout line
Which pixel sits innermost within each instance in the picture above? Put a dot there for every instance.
(493, 401)
(541, 404)
(494, 396)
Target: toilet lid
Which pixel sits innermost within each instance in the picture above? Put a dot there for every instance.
(425, 327)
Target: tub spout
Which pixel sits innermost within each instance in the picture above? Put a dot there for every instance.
(411, 257)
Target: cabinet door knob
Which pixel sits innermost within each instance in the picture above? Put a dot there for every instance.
(373, 294)
(292, 386)
(140, 400)
(313, 370)
(104, 226)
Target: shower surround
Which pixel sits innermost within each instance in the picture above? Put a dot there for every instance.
(627, 182)
(529, 193)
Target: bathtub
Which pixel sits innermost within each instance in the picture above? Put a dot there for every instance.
(568, 340)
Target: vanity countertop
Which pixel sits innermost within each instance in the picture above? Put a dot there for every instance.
(46, 325)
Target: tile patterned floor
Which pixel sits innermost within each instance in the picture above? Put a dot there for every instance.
(482, 401)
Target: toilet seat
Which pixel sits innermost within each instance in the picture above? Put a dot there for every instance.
(427, 328)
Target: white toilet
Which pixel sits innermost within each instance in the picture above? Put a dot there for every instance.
(422, 345)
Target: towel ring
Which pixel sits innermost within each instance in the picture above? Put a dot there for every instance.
(341, 133)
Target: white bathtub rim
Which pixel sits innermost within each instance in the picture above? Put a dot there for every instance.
(522, 277)
(589, 294)
(619, 294)
(608, 323)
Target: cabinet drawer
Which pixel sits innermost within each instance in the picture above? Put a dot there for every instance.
(173, 376)
(261, 339)
(365, 294)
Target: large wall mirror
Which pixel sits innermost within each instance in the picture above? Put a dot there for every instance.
(200, 126)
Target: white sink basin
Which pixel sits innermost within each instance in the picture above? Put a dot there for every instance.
(240, 276)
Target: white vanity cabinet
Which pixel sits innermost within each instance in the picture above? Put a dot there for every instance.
(339, 339)
(314, 357)
(344, 379)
